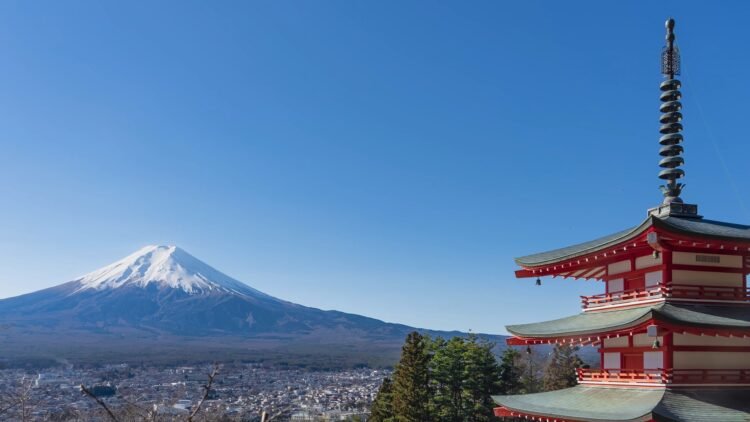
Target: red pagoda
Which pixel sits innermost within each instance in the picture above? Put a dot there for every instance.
(672, 327)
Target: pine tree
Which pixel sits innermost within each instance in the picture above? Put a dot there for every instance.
(447, 370)
(530, 380)
(382, 406)
(411, 389)
(511, 372)
(561, 369)
(481, 380)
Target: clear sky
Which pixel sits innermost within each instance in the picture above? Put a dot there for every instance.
(388, 158)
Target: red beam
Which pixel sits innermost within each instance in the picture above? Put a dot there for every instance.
(711, 349)
(504, 412)
(634, 273)
(626, 349)
(707, 268)
(684, 243)
(622, 251)
(637, 247)
(638, 329)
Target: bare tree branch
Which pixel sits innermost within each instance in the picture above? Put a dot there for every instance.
(87, 392)
(24, 396)
(206, 391)
(8, 407)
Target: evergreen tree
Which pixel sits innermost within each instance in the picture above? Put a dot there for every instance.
(447, 368)
(446, 381)
(561, 369)
(511, 371)
(481, 380)
(530, 380)
(411, 389)
(382, 406)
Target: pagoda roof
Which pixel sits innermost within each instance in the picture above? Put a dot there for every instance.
(583, 403)
(727, 405)
(683, 314)
(587, 403)
(693, 227)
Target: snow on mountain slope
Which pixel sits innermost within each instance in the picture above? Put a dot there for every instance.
(165, 267)
(163, 289)
(162, 293)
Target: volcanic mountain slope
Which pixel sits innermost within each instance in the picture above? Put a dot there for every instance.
(165, 290)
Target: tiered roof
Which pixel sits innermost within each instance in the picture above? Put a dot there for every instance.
(710, 230)
(662, 311)
(585, 327)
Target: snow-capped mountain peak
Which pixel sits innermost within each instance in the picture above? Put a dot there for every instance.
(166, 267)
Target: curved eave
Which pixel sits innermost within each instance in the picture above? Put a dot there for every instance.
(693, 228)
(583, 324)
(725, 318)
(582, 249)
(717, 317)
(598, 404)
(706, 229)
(707, 405)
(581, 403)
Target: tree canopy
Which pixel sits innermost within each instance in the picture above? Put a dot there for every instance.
(454, 380)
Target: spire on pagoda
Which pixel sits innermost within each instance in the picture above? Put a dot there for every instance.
(671, 133)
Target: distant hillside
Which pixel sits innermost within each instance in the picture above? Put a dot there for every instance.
(161, 304)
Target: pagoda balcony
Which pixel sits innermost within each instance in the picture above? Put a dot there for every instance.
(664, 376)
(632, 295)
(677, 291)
(685, 291)
(629, 376)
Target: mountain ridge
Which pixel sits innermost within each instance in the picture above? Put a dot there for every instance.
(163, 292)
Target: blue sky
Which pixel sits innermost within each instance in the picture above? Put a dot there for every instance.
(385, 158)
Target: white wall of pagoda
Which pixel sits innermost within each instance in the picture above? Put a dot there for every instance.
(646, 261)
(711, 360)
(707, 260)
(710, 352)
(706, 278)
(619, 267)
(696, 340)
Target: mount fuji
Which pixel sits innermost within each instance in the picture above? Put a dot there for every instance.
(162, 298)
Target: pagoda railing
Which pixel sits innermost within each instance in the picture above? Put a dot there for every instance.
(664, 376)
(650, 376)
(681, 291)
(709, 376)
(687, 291)
(623, 296)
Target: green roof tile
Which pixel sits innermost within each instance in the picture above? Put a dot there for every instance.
(583, 323)
(589, 323)
(725, 405)
(587, 403)
(596, 404)
(691, 226)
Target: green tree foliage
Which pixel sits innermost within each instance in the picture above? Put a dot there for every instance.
(561, 368)
(531, 380)
(481, 380)
(511, 371)
(443, 380)
(447, 368)
(411, 387)
(382, 407)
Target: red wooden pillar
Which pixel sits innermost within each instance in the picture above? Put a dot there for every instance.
(744, 278)
(666, 262)
(668, 352)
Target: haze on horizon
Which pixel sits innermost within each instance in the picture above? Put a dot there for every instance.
(385, 159)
